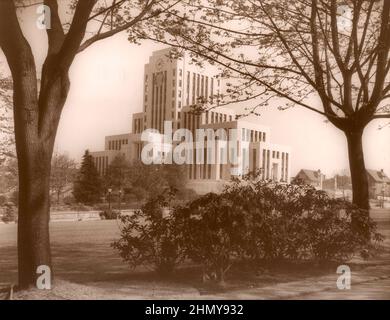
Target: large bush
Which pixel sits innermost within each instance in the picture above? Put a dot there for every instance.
(149, 237)
(212, 233)
(298, 222)
(249, 220)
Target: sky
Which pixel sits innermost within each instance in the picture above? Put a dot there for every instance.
(106, 89)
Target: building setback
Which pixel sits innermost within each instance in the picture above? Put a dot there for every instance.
(171, 88)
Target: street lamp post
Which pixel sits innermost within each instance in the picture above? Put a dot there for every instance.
(109, 199)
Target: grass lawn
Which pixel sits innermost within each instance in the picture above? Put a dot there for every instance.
(82, 256)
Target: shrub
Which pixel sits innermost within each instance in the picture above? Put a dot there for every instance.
(109, 214)
(9, 214)
(212, 232)
(69, 200)
(299, 222)
(149, 237)
(250, 219)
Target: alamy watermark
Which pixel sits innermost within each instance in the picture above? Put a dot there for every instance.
(44, 19)
(44, 279)
(209, 146)
(344, 280)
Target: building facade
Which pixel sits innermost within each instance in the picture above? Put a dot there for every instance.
(378, 184)
(171, 88)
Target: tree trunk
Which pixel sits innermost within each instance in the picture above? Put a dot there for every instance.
(358, 173)
(34, 136)
(34, 214)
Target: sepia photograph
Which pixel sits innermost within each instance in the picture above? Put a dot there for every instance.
(180, 152)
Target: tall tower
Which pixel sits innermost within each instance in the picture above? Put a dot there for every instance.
(171, 84)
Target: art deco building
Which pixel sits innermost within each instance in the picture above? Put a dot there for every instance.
(171, 88)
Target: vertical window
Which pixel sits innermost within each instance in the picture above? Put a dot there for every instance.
(202, 87)
(268, 162)
(286, 175)
(194, 164)
(204, 166)
(212, 90)
(221, 165)
(263, 165)
(254, 160)
(188, 88)
(193, 87)
(197, 85)
(207, 88)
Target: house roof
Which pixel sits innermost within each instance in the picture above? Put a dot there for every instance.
(378, 176)
(312, 175)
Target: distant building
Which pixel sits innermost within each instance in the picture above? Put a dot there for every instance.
(378, 184)
(312, 177)
(171, 88)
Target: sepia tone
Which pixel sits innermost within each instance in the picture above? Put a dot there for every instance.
(194, 149)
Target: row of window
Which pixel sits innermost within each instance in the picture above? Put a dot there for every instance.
(202, 88)
(117, 144)
(268, 172)
(253, 135)
(203, 171)
(191, 121)
(138, 126)
(216, 117)
(159, 100)
(101, 164)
